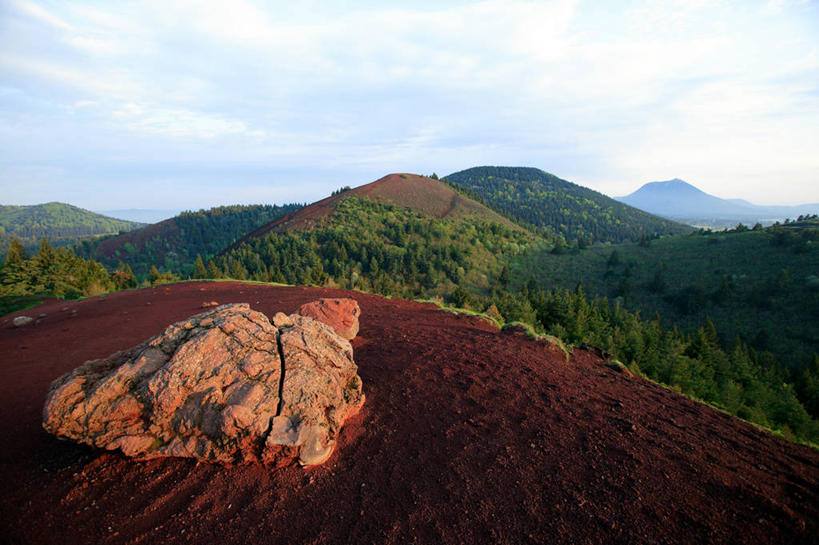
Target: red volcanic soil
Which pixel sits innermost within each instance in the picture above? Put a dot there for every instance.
(418, 193)
(468, 435)
(167, 229)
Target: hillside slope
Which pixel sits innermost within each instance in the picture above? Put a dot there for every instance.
(682, 201)
(58, 222)
(420, 194)
(468, 435)
(573, 211)
(759, 285)
(356, 242)
(173, 244)
(403, 234)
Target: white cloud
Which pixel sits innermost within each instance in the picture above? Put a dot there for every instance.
(33, 10)
(609, 94)
(177, 123)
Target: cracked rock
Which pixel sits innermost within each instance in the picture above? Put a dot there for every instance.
(225, 385)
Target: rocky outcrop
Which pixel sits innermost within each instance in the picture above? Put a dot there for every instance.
(225, 385)
(340, 314)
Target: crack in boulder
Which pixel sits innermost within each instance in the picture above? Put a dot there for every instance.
(281, 373)
(215, 387)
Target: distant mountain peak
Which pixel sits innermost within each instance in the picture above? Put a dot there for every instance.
(673, 185)
(680, 200)
(545, 201)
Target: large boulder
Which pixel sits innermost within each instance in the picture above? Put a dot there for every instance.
(225, 385)
(340, 314)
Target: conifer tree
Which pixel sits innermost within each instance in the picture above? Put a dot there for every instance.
(129, 274)
(504, 277)
(45, 255)
(213, 271)
(17, 252)
(237, 271)
(199, 270)
(154, 275)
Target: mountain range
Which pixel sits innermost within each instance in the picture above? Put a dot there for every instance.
(681, 201)
(464, 241)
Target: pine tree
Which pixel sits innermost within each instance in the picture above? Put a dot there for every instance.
(17, 253)
(154, 275)
(807, 387)
(129, 274)
(199, 270)
(710, 330)
(237, 271)
(123, 277)
(212, 270)
(46, 257)
(504, 277)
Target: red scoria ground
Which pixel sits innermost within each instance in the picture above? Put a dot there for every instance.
(468, 435)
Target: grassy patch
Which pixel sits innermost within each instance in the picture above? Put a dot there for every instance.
(16, 303)
(454, 310)
(530, 332)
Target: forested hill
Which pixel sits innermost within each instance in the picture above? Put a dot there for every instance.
(575, 212)
(57, 222)
(383, 247)
(423, 195)
(172, 245)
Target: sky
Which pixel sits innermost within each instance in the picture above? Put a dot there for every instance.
(198, 103)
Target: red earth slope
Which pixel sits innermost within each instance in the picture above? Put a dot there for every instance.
(418, 193)
(167, 229)
(468, 435)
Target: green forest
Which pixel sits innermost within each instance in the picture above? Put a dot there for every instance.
(51, 271)
(59, 223)
(546, 202)
(757, 284)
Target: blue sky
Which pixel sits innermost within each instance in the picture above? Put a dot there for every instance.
(190, 104)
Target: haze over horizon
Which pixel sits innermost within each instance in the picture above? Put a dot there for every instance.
(197, 104)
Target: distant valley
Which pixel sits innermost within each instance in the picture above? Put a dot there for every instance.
(141, 215)
(683, 202)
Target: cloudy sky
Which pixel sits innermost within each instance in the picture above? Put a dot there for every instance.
(188, 104)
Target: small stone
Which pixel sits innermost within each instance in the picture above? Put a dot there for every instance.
(313, 452)
(20, 321)
(280, 319)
